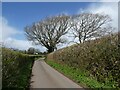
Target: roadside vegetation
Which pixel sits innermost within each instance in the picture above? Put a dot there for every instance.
(94, 63)
(78, 75)
(16, 69)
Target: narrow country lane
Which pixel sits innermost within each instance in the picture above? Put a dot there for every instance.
(44, 76)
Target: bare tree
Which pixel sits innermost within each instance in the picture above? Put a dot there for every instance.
(87, 26)
(49, 31)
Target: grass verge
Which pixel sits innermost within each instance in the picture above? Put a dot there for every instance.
(79, 76)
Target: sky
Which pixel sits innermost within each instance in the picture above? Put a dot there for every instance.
(17, 15)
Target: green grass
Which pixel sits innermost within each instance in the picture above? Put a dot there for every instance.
(77, 75)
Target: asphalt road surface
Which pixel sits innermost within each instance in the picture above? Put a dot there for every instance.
(44, 76)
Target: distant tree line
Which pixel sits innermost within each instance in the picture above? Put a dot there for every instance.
(49, 32)
(30, 50)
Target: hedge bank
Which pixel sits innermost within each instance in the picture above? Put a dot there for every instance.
(16, 69)
(100, 57)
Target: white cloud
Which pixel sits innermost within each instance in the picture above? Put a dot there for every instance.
(108, 0)
(109, 8)
(20, 44)
(8, 31)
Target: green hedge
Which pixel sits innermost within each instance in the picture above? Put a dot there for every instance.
(16, 69)
(100, 57)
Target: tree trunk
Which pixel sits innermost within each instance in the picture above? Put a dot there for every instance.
(50, 49)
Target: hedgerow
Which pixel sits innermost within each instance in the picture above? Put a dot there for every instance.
(100, 57)
(16, 69)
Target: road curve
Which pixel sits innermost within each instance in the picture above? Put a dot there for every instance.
(44, 76)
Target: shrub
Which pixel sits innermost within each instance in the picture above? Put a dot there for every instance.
(100, 57)
(16, 69)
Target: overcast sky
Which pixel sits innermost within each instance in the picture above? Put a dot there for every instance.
(15, 16)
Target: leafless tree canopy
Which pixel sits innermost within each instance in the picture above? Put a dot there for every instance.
(87, 26)
(48, 32)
